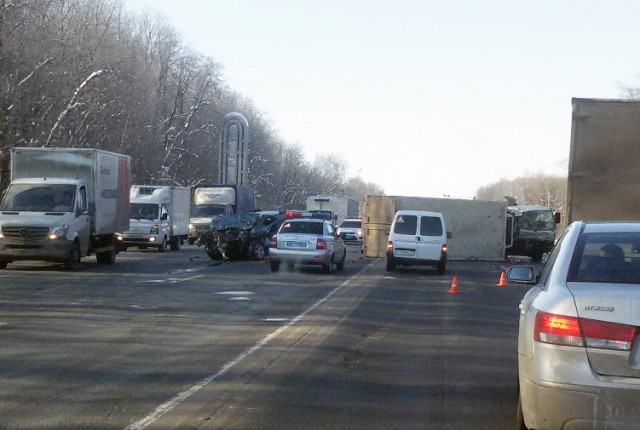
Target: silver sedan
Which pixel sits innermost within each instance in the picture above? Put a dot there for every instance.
(578, 347)
(307, 241)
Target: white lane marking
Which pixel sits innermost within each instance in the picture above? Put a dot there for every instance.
(170, 280)
(239, 298)
(181, 397)
(276, 319)
(3, 324)
(236, 293)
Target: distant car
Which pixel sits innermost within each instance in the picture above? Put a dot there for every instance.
(307, 241)
(350, 230)
(578, 341)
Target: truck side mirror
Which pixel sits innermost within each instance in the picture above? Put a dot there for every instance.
(556, 217)
(164, 217)
(449, 235)
(387, 232)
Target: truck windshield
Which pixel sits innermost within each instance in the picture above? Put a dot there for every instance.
(207, 210)
(39, 198)
(144, 211)
(537, 220)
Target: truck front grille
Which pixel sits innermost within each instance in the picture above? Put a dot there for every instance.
(25, 234)
(202, 228)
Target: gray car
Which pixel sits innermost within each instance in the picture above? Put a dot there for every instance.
(578, 348)
(307, 241)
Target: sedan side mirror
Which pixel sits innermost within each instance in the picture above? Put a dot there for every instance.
(521, 274)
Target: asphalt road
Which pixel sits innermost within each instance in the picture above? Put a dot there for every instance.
(175, 340)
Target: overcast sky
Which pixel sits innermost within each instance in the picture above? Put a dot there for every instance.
(425, 98)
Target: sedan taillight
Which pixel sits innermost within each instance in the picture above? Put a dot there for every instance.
(572, 331)
(273, 243)
(321, 244)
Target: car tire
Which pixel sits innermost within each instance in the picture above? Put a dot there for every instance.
(275, 266)
(340, 265)
(328, 268)
(391, 266)
(73, 259)
(257, 250)
(520, 425)
(163, 245)
(214, 254)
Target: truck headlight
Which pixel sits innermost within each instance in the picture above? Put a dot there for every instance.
(191, 227)
(58, 232)
(1, 234)
(155, 230)
(359, 233)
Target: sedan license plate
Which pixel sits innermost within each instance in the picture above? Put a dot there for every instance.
(296, 244)
(405, 252)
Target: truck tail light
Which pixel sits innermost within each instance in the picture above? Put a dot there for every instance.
(273, 243)
(572, 331)
(321, 244)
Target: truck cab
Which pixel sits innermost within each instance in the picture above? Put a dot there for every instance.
(45, 219)
(532, 230)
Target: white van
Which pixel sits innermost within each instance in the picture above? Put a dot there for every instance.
(417, 238)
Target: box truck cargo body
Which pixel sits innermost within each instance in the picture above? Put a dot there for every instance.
(478, 228)
(159, 217)
(63, 204)
(604, 173)
(340, 207)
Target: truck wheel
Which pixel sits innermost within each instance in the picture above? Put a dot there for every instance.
(275, 266)
(3, 264)
(163, 245)
(174, 243)
(106, 257)
(73, 259)
(191, 240)
(214, 254)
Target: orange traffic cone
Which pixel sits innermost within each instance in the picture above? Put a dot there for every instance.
(454, 286)
(503, 280)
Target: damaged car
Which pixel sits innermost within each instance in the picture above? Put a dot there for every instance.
(242, 236)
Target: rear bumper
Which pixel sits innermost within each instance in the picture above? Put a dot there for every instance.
(141, 239)
(588, 402)
(299, 257)
(410, 261)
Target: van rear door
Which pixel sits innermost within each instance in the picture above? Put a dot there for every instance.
(405, 228)
(431, 237)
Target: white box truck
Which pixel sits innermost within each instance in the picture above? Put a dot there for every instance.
(64, 204)
(159, 217)
(338, 208)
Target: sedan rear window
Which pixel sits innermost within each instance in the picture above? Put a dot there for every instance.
(351, 224)
(606, 258)
(303, 227)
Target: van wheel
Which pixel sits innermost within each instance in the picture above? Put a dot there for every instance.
(442, 267)
(73, 259)
(174, 243)
(391, 266)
